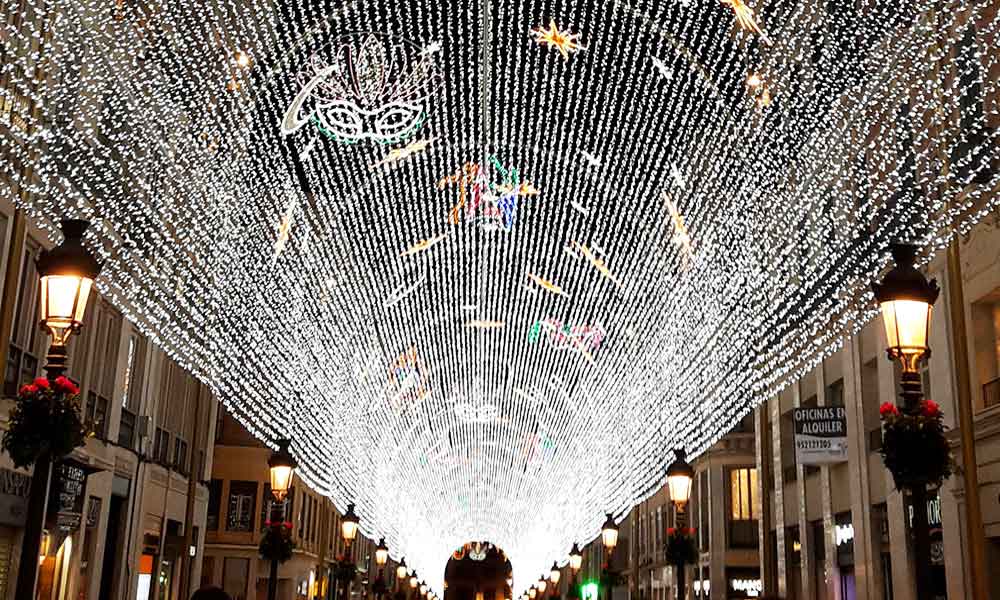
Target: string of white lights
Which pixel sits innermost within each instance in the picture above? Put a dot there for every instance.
(487, 261)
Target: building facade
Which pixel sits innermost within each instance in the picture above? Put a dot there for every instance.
(841, 532)
(238, 506)
(135, 529)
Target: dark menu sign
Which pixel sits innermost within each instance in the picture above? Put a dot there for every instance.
(66, 496)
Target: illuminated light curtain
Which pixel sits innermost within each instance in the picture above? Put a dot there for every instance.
(484, 300)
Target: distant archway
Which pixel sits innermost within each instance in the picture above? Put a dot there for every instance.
(477, 568)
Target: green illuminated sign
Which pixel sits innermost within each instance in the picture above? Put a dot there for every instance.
(588, 591)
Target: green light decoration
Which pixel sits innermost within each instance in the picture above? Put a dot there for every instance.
(589, 590)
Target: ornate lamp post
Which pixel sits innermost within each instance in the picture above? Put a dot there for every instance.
(609, 538)
(67, 275)
(414, 584)
(905, 299)
(575, 562)
(554, 576)
(680, 475)
(345, 567)
(381, 557)
(281, 467)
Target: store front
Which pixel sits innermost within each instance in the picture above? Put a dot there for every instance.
(743, 583)
(844, 539)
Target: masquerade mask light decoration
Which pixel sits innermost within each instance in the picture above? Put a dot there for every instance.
(371, 87)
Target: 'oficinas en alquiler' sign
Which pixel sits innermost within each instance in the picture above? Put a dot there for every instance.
(820, 435)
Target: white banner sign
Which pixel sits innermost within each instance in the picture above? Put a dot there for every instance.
(820, 435)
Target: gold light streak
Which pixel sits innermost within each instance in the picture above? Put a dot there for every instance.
(598, 264)
(746, 19)
(547, 285)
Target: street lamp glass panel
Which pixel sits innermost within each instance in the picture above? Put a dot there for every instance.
(541, 584)
(680, 475)
(401, 570)
(67, 275)
(349, 525)
(609, 533)
(532, 593)
(575, 558)
(423, 588)
(381, 553)
(906, 323)
(282, 467)
(414, 582)
(554, 574)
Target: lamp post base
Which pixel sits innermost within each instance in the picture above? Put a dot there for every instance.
(34, 525)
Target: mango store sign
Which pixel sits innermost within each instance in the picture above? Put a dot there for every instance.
(751, 588)
(820, 435)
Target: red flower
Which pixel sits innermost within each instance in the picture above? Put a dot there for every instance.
(267, 523)
(930, 408)
(42, 383)
(690, 531)
(66, 385)
(670, 530)
(887, 409)
(28, 390)
(288, 525)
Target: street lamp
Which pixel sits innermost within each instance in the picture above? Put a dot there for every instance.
(349, 526)
(381, 558)
(281, 467)
(905, 298)
(532, 592)
(401, 570)
(541, 585)
(554, 576)
(67, 276)
(680, 475)
(609, 534)
(414, 583)
(575, 559)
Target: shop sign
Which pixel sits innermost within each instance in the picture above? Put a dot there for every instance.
(820, 435)
(66, 503)
(750, 588)
(14, 490)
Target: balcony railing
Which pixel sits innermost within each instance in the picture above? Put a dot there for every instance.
(991, 393)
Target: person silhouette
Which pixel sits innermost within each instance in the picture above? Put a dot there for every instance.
(210, 593)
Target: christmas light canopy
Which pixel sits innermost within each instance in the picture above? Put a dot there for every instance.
(486, 262)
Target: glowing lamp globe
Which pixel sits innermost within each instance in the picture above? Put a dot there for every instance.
(554, 573)
(680, 474)
(414, 582)
(905, 299)
(532, 593)
(349, 525)
(381, 553)
(282, 467)
(401, 570)
(423, 588)
(67, 275)
(541, 585)
(575, 558)
(609, 533)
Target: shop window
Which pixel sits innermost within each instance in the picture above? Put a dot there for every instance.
(22, 367)
(788, 471)
(242, 498)
(835, 393)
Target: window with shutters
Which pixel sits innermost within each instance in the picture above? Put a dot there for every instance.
(242, 497)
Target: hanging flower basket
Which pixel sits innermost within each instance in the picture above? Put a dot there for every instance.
(46, 418)
(277, 542)
(914, 448)
(680, 547)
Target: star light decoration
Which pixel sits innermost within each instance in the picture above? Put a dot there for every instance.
(563, 41)
(881, 132)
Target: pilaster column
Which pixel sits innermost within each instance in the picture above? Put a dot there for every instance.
(765, 469)
(867, 551)
(773, 408)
